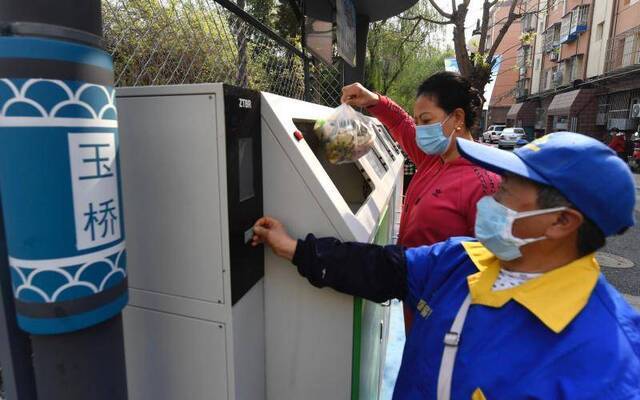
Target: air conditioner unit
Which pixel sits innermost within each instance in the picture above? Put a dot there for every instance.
(635, 109)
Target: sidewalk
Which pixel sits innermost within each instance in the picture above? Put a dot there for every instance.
(637, 177)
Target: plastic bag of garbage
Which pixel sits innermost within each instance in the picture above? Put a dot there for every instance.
(345, 135)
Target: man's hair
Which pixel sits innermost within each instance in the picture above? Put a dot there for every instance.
(590, 237)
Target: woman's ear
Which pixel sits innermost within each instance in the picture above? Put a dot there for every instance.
(458, 117)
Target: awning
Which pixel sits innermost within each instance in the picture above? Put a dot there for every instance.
(570, 102)
(514, 111)
(524, 113)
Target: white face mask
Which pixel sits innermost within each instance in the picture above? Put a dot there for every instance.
(494, 225)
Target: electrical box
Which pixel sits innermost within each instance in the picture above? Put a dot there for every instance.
(192, 183)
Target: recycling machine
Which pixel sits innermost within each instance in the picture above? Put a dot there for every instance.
(211, 317)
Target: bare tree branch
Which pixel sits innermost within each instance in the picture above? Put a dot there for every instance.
(440, 10)
(427, 20)
(484, 28)
(503, 31)
(460, 41)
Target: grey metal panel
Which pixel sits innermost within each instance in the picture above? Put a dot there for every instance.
(249, 345)
(180, 305)
(170, 184)
(170, 90)
(173, 357)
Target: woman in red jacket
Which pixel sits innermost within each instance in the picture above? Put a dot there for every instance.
(441, 199)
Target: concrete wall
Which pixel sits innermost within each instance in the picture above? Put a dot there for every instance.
(508, 49)
(536, 74)
(602, 12)
(628, 16)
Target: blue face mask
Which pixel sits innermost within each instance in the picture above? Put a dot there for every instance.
(494, 225)
(431, 139)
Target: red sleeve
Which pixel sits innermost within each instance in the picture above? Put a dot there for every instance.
(401, 126)
(478, 183)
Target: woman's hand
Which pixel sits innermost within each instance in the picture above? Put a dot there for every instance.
(359, 96)
(271, 232)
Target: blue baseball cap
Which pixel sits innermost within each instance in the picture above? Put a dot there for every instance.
(587, 172)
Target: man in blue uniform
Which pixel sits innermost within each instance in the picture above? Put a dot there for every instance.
(522, 312)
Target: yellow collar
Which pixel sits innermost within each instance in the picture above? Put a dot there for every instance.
(556, 297)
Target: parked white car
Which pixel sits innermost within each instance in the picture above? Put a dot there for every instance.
(510, 136)
(492, 134)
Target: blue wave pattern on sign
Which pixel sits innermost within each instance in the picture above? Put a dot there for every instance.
(48, 98)
(61, 196)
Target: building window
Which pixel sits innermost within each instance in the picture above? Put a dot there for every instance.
(573, 127)
(599, 30)
(628, 50)
(573, 69)
(537, 62)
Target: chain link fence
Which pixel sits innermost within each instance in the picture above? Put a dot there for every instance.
(171, 42)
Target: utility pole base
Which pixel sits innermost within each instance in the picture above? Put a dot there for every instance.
(66, 368)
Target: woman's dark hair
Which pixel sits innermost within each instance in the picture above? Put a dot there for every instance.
(450, 91)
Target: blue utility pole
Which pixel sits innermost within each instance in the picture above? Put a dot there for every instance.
(61, 197)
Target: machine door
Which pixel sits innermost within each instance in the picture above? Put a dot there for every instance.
(244, 186)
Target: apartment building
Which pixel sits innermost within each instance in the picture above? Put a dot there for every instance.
(585, 73)
(530, 50)
(620, 106)
(503, 96)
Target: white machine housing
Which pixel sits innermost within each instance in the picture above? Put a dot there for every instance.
(321, 344)
(202, 322)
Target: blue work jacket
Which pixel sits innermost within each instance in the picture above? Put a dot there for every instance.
(567, 334)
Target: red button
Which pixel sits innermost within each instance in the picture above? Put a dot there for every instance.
(298, 135)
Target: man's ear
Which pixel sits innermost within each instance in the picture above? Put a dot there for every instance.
(567, 222)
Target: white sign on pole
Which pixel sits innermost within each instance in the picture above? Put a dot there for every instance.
(346, 30)
(95, 188)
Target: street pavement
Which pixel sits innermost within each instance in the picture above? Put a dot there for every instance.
(627, 246)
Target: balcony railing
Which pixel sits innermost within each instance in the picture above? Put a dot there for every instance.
(552, 38)
(572, 69)
(548, 41)
(565, 29)
(524, 56)
(624, 50)
(528, 23)
(557, 76)
(579, 19)
(522, 88)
